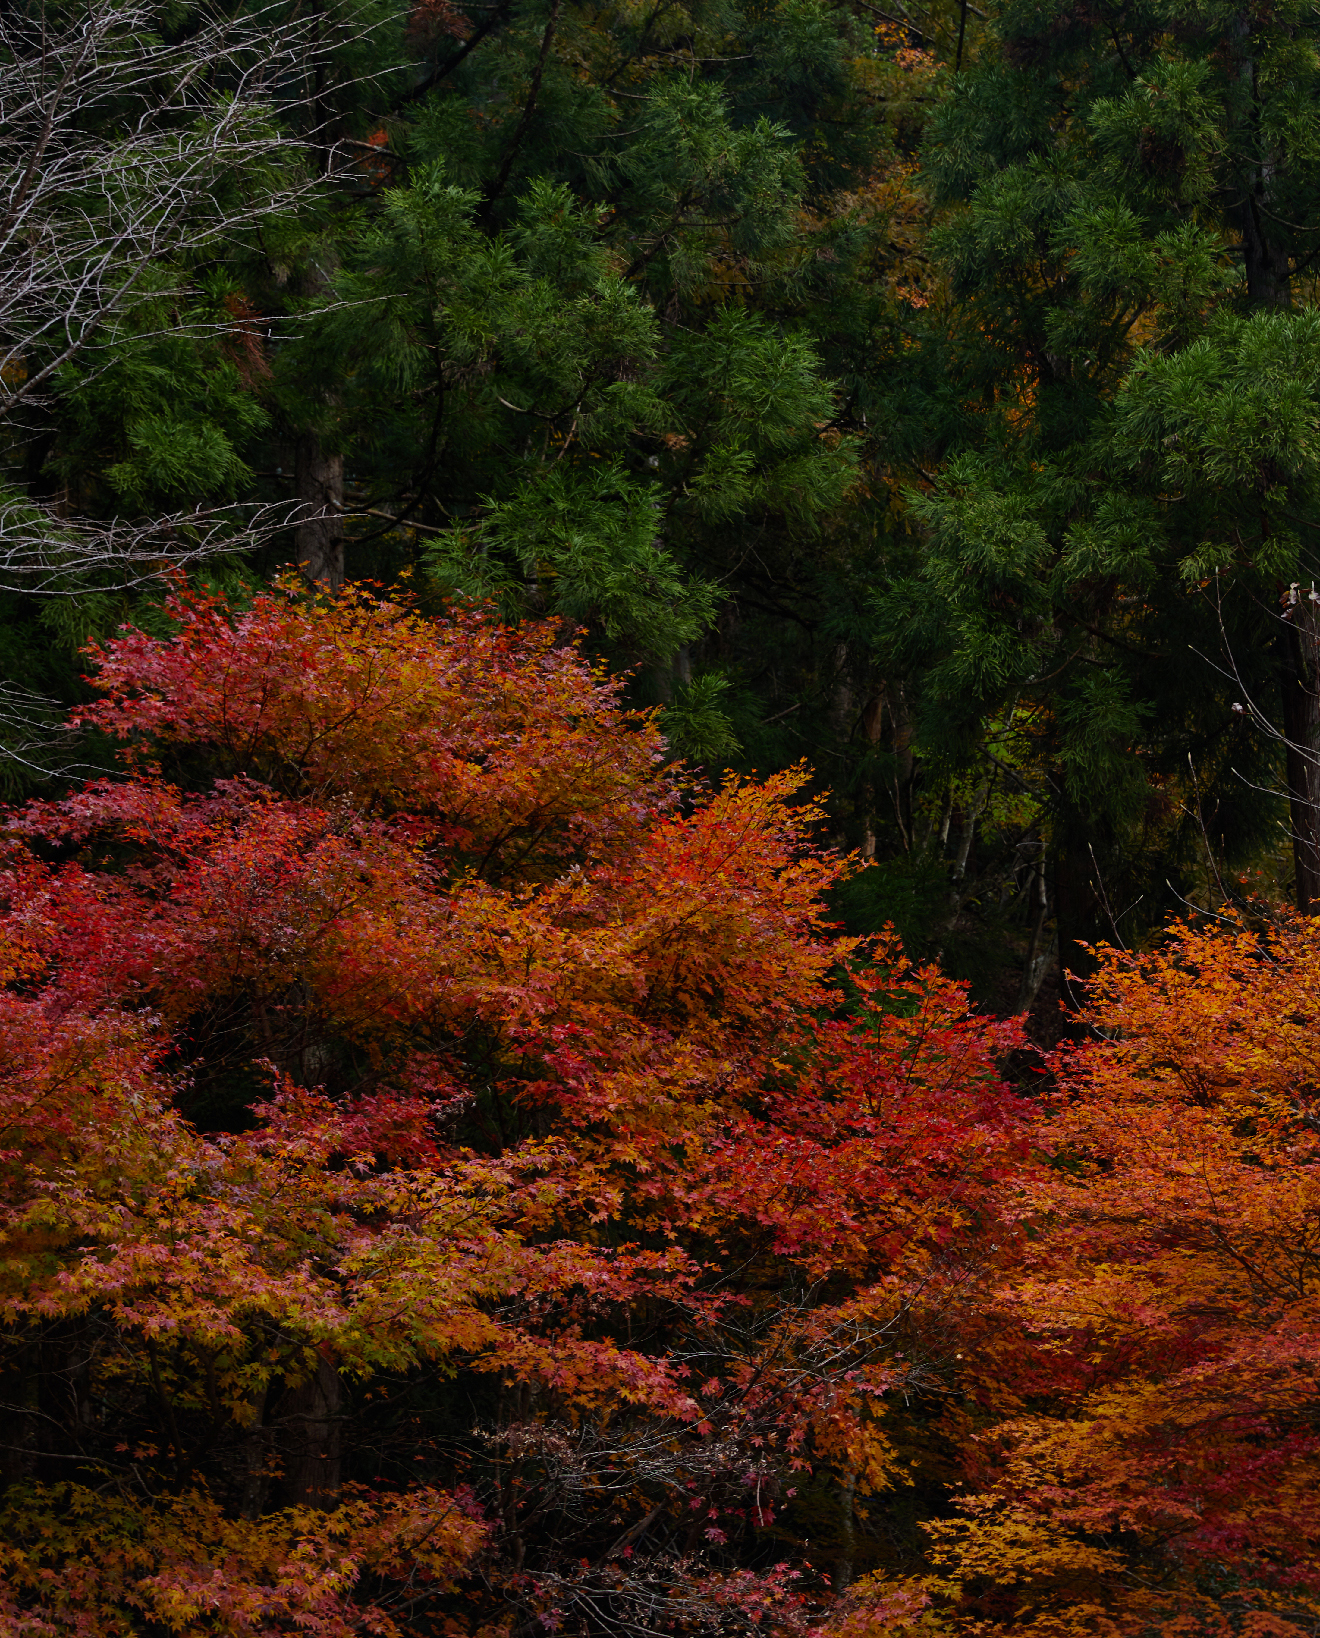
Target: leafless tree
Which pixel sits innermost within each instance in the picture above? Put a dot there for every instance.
(633, 1526)
(1299, 735)
(124, 158)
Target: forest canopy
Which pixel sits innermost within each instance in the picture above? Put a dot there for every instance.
(660, 726)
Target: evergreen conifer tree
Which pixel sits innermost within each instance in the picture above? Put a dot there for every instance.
(1127, 488)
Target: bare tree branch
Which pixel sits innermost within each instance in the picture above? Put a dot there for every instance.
(124, 160)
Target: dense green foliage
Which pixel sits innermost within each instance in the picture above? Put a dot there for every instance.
(931, 399)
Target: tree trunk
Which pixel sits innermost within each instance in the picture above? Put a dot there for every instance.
(253, 1460)
(1264, 259)
(310, 1417)
(1265, 264)
(1301, 727)
(1075, 908)
(1044, 942)
(843, 1564)
(966, 836)
(905, 773)
(320, 533)
(872, 722)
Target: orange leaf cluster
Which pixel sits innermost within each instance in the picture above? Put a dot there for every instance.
(533, 1046)
(1152, 1461)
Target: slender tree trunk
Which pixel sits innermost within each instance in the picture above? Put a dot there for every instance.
(310, 1415)
(966, 836)
(841, 695)
(1044, 942)
(320, 534)
(529, 108)
(873, 719)
(958, 886)
(20, 1446)
(905, 775)
(843, 1564)
(1301, 727)
(1268, 276)
(254, 1461)
(1075, 907)
(1264, 259)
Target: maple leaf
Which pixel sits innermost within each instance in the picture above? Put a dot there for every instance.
(398, 1016)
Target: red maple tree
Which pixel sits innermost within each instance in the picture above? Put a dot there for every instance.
(400, 1030)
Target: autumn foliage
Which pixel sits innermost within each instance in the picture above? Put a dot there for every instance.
(453, 1173)
(456, 1180)
(1147, 1458)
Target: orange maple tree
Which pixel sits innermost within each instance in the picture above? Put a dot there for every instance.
(1146, 1457)
(401, 1044)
